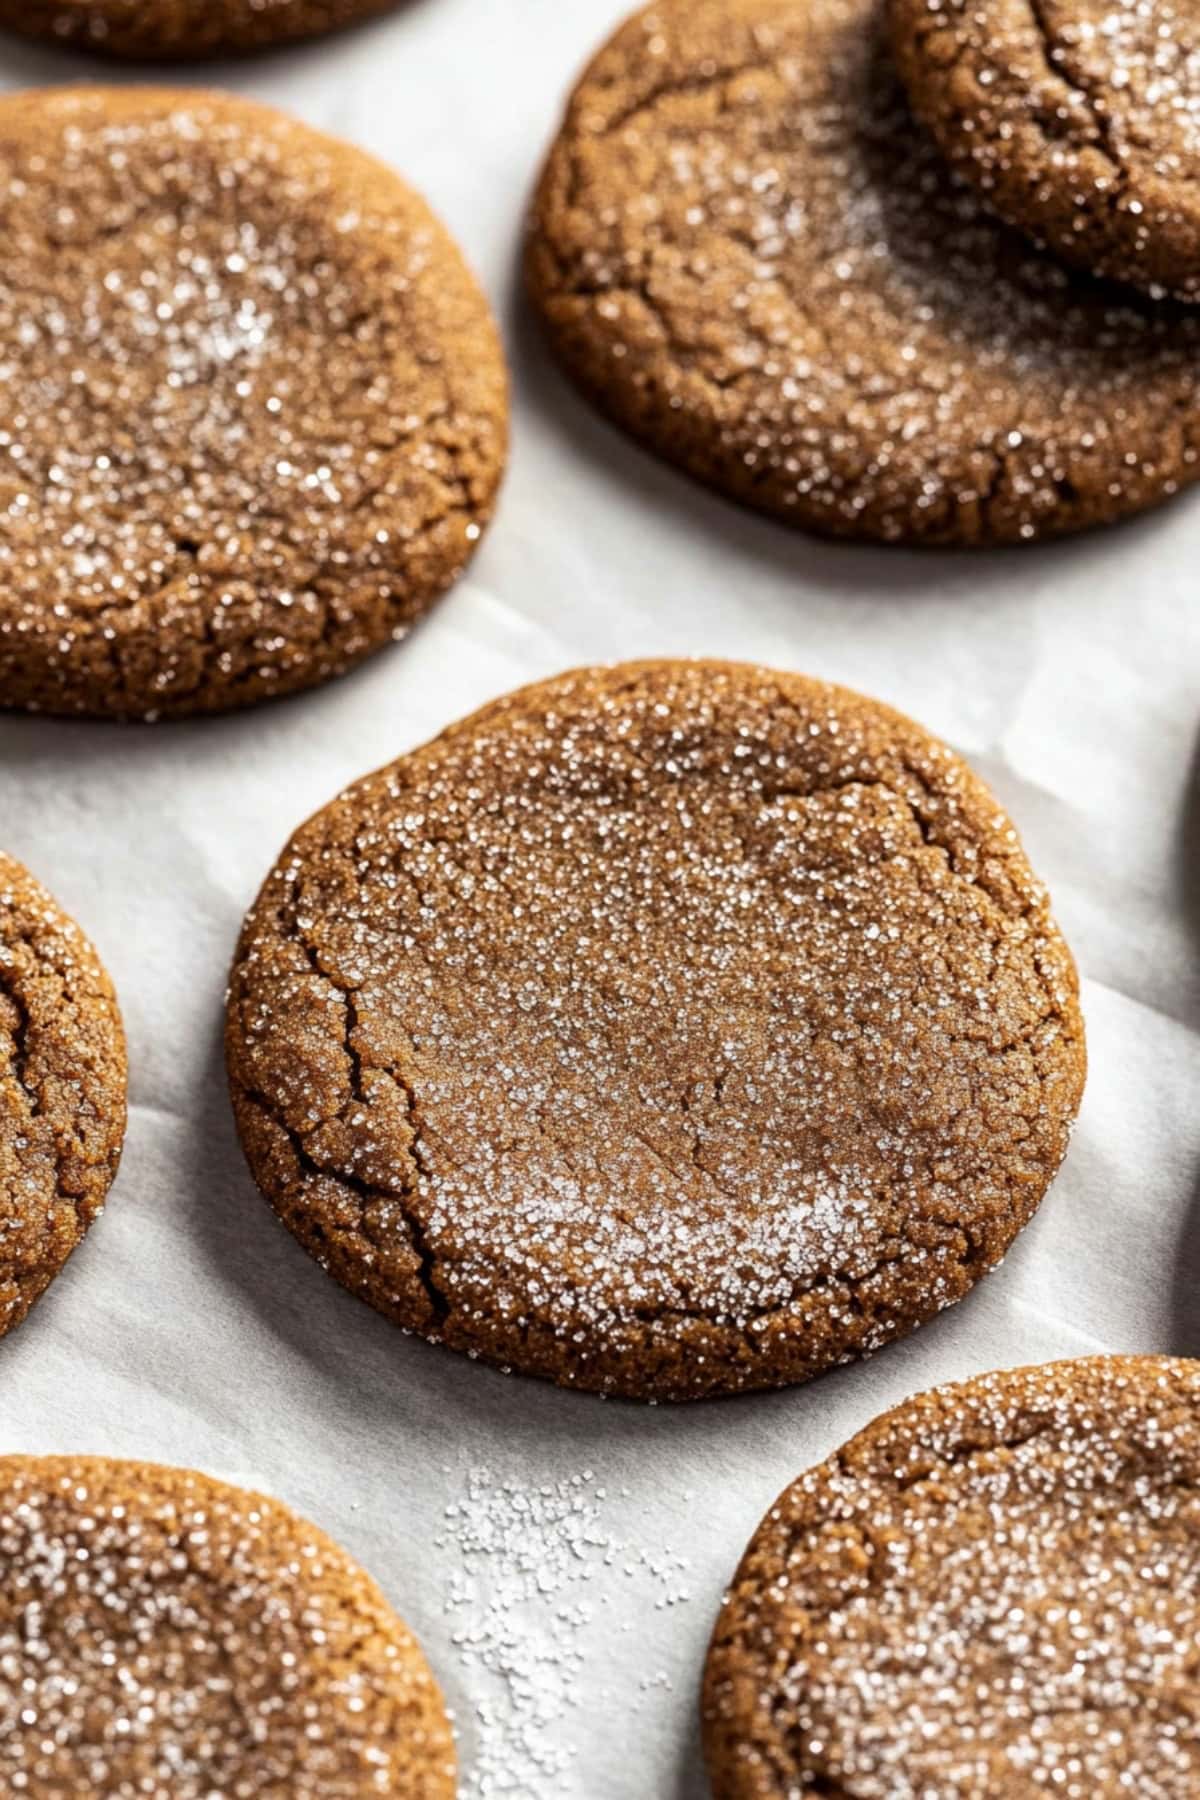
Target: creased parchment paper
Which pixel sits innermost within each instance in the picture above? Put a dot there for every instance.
(191, 1329)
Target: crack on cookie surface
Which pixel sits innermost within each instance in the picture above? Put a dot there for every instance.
(1077, 123)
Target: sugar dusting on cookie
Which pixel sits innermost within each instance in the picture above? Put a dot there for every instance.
(165, 1635)
(666, 1030)
(255, 407)
(994, 1589)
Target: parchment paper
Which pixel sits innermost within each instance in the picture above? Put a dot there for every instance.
(191, 1329)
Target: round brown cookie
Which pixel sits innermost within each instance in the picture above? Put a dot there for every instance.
(666, 1030)
(991, 1593)
(255, 404)
(62, 1089)
(182, 28)
(1078, 119)
(165, 1635)
(746, 253)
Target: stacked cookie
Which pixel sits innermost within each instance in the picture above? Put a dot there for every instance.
(748, 251)
(1078, 123)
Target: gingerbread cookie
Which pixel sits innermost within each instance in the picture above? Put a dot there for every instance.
(162, 1634)
(182, 28)
(747, 253)
(62, 1089)
(255, 404)
(1078, 122)
(667, 1029)
(991, 1593)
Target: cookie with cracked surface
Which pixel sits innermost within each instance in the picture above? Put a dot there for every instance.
(169, 1635)
(747, 253)
(1078, 122)
(182, 28)
(992, 1592)
(256, 405)
(665, 1030)
(62, 1089)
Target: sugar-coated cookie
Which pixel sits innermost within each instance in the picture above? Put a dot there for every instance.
(1078, 120)
(667, 1029)
(62, 1089)
(255, 404)
(166, 1635)
(182, 28)
(991, 1593)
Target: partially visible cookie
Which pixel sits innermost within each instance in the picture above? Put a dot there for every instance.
(665, 1030)
(255, 404)
(991, 1593)
(182, 28)
(1078, 120)
(62, 1089)
(163, 1634)
(747, 253)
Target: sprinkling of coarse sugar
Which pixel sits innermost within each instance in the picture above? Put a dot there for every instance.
(533, 1569)
(672, 1027)
(235, 425)
(994, 1589)
(660, 1680)
(166, 1637)
(1128, 79)
(1078, 119)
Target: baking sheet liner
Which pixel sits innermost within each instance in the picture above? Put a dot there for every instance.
(191, 1329)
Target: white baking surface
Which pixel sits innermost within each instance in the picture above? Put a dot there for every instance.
(191, 1329)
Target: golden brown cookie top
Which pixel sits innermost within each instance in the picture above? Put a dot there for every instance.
(1079, 122)
(991, 1593)
(168, 1637)
(62, 1089)
(182, 28)
(256, 406)
(665, 1029)
(748, 253)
